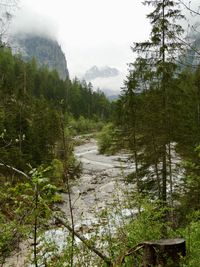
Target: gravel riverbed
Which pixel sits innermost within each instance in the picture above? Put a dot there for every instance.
(100, 186)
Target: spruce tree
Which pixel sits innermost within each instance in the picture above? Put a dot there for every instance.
(156, 65)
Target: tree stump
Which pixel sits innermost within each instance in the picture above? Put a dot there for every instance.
(164, 252)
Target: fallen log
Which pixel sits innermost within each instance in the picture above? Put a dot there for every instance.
(85, 242)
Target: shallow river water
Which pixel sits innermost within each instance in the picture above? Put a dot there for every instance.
(100, 187)
(101, 183)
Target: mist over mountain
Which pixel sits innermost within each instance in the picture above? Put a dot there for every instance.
(107, 79)
(100, 72)
(192, 54)
(30, 22)
(45, 50)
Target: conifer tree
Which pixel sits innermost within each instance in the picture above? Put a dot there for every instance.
(156, 66)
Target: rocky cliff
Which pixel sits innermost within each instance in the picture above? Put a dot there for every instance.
(46, 51)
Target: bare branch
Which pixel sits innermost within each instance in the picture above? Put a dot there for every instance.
(189, 45)
(188, 8)
(14, 169)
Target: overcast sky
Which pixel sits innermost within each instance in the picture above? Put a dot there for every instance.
(91, 32)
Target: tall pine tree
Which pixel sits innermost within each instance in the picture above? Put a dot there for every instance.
(156, 68)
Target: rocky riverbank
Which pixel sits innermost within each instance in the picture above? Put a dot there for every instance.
(101, 183)
(101, 187)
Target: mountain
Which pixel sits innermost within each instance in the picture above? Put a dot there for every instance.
(112, 97)
(45, 50)
(192, 54)
(103, 72)
(107, 79)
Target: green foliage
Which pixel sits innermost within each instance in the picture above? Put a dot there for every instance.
(30, 107)
(56, 172)
(106, 139)
(189, 197)
(19, 209)
(158, 111)
(9, 235)
(148, 225)
(192, 235)
(157, 116)
(84, 125)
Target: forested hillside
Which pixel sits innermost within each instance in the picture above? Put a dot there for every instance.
(39, 116)
(32, 101)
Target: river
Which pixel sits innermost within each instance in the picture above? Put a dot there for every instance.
(101, 183)
(100, 187)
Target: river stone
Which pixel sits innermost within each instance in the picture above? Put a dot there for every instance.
(108, 188)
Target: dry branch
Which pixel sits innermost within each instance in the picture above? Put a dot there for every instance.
(14, 169)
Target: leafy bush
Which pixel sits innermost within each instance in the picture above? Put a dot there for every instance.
(84, 125)
(106, 140)
(192, 235)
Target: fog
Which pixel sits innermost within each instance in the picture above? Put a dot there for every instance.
(29, 22)
(91, 32)
(110, 85)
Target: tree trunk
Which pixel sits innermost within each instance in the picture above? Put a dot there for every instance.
(36, 227)
(164, 252)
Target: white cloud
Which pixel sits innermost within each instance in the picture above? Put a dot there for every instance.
(91, 32)
(111, 85)
(28, 21)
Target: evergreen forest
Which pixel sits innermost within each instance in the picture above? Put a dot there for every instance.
(155, 121)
